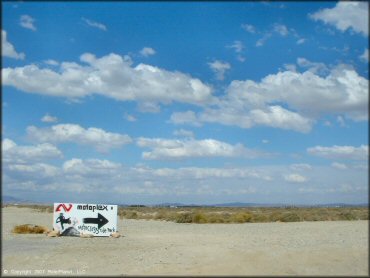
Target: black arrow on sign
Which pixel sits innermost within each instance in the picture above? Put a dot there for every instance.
(101, 220)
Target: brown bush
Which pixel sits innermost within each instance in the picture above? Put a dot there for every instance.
(29, 229)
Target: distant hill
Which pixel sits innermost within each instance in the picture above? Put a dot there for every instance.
(6, 199)
(10, 199)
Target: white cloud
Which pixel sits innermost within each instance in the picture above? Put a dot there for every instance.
(314, 67)
(340, 166)
(49, 119)
(365, 56)
(346, 15)
(341, 121)
(304, 96)
(240, 58)
(8, 49)
(111, 76)
(301, 41)
(100, 139)
(249, 28)
(237, 46)
(51, 62)
(263, 40)
(130, 118)
(13, 153)
(205, 173)
(188, 117)
(90, 167)
(281, 29)
(147, 51)
(95, 24)
(190, 148)
(300, 167)
(27, 22)
(184, 133)
(219, 68)
(295, 178)
(341, 152)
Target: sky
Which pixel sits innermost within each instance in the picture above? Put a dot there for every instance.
(196, 103)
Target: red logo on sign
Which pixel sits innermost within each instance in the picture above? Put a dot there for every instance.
(64, 207)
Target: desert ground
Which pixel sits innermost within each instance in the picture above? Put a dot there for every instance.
(149, 247)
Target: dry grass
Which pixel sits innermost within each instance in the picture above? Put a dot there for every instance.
(38, 208)
(243, 215)
(29, 229)
(233, 215)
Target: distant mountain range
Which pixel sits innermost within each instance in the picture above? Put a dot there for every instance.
(239, 204)
(13, 200)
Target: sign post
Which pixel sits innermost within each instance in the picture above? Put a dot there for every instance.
(77, 219)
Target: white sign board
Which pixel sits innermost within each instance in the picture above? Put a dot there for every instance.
(94, 219)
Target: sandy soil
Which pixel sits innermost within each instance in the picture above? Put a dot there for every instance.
(165, 248)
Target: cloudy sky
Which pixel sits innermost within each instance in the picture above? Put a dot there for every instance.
(200, 102)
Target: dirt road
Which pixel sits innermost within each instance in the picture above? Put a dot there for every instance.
(165, 248)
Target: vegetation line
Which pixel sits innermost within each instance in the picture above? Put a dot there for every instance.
(234, 215)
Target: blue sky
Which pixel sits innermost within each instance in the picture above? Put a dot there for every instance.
(199, 102)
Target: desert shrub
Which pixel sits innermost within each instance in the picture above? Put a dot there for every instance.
(184, 218)
(290, 217)
(29, 229)
(215, 218)
(241, 217)
(199, 218)
(347, 216)
(160, 215)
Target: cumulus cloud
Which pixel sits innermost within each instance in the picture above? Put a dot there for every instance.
(8, 49)
(219, 68)
(190, 148)
(90, 167)
(305, 97)
(108, 180)
(341, 152)
(111, 76)
(295, 178)
(314, 67)
(13, 153)
(147, 51)
(95, 24)
(39, 171)
(27, 22)
(100, 139)
(49, 119)
(51, 62)
(346, 15)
